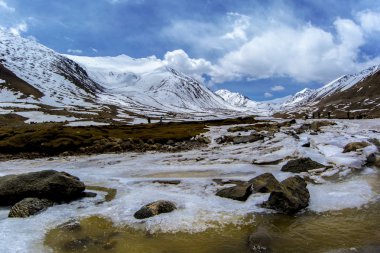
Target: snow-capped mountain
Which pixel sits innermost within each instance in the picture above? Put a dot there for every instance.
(238, 100)
(307, 96)
(33, 76)
(149, 82)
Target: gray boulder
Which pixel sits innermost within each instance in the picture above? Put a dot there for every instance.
(47, 184)
(240, 192)
(291, 197)
(301, 165)
(264, 183)
(28, 207)
(155, 208)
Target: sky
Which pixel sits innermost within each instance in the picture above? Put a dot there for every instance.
(262, 49)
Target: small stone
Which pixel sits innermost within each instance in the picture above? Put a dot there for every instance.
(28, 207)
(354, 146)
(155, 208)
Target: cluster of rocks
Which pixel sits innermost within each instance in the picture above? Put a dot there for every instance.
(288, 196)
(34, 192)
(315, 126)
(112, 144)
(240, 139)
(259, 132)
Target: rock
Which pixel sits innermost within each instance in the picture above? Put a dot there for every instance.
(353, 146)
(247, 138)
(290, 198)
(28, 207)
(240, 192)
(306, 145)
(170, 142)
(273, 162)
(259, 242)
(264, 183)
(316, 125)
(155, 208)
(301, 165)
(48, 184)
(173, 182)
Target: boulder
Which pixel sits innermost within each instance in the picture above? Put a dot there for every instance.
(240, 192)
(47, 184)
(353, 146)
(259, 241)
(301, 165)
(247, 138)
(28, 207)
(290, 198)
(264, 183)
(155, 208)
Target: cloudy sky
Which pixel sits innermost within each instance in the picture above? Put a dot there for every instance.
(263, 49)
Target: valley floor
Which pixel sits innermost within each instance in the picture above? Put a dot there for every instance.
(347, 186)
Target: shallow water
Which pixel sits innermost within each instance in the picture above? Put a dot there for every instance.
(308, 232)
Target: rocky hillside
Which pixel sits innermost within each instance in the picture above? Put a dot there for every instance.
(354, 95)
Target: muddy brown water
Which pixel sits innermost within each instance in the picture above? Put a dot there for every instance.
(308, 232)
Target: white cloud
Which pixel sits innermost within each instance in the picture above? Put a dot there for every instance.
(268, 95)
(278, 88)
(279, 45)
(240, 25)
(369, 21)
(180, 60)
(5, 6)
(19, 28)
(94, 50)
(74, 51)
(305, 53)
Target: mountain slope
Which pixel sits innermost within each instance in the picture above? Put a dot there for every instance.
(358, 93)
(36, 73)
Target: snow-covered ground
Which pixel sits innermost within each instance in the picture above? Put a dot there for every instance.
(347, 184)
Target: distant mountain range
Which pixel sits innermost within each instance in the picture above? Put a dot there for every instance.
(38, 84)
(356, 94)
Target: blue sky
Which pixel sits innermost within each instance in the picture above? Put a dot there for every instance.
(263, 49)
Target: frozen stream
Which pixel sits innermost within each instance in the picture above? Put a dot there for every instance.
(348, 184)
